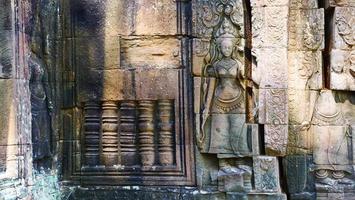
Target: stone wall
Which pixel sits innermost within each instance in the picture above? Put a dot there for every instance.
(183, 99)
(15, 133)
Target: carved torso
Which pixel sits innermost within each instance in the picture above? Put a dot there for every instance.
(228, 95)
(36, 86)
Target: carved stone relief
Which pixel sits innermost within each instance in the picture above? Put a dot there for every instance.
(269, 25)
(342, 76)
(331, 150)
(343, 29)
(220, 97)
(306, 29)
(341, 3)
(118, 84)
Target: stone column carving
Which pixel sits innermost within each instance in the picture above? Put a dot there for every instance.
(146, 132)
(166, 136)
(109, 140)
(91, 134)
(128, 137)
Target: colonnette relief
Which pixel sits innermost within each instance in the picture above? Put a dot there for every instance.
(185, 99)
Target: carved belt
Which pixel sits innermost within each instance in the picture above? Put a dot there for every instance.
(229, 104)
(321, 119)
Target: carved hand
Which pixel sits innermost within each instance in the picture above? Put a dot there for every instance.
(305, 125)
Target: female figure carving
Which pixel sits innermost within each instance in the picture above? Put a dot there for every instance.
(40, 108)
(331, 141)
(223, 102)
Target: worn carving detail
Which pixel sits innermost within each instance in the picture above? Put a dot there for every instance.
(306, 29)
(267, 63)
(41, 105)
(266, 172)
(343, 28)
(269, 25)
(347, 3)
(109, 138)
(331, 152)
(91, 134)
(166, 137)
(209, 14)
(272, 106)
(305, 70)
(342, 74)
(146, 132)
(303, 4)
(128, 136)
(300, 180)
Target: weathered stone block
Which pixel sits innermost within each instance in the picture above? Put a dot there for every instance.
(266, 174)
(197, 94)
(7, 120)
(303, 4)
(210, 196)
(94, 18)
(335, 195)
(6, 54)
(156, 17)
(230, 182)
(151, 52)
(342, 3)
(269, 27)
(305, 70)
(343, 28)
(306, 29)
(157, 84)
(276, 137)
(97, 85)
(273, 106)
(206, 170)
(70, 119)
(300, 140)
(330, 146)
(266, 3)
(97, 53)
(299, 178)
(255, 196)
(6, 12)
(301, 106)
(270, 70)
(200, 48)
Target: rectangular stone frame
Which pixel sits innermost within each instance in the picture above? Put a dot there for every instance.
(71, 117)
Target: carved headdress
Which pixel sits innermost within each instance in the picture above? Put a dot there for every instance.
(226, 30)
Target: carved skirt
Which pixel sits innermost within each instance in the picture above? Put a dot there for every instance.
(41, 130)
(229, 136)
(331, 148)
